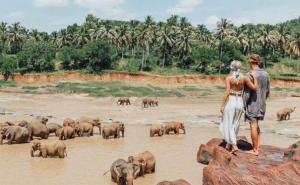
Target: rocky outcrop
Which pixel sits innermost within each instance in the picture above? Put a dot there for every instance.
(131, 77)
(273, 165)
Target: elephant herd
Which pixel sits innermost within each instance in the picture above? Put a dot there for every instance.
(145, 102)
(285, 114)
(122, 172)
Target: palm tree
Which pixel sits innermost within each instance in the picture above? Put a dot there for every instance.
(81, 37)
(54, 38)
(266, 37)
(15, 36)
(202, 33)
(184, 41)
(250, 34)
(64, 38)
(224, 30)
(173, 20)
(3, 34)
(283, 34)
(165, 39)
(35, 36)
(239, 37)
(144, 39)
(133, 34)
(122, 37)
(294, 46)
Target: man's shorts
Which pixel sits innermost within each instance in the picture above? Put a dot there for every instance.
(252, 119)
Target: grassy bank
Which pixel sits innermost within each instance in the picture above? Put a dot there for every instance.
(121, 89)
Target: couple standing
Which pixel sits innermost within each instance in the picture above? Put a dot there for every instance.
(247, 93)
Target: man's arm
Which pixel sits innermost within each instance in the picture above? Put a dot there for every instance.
(268, 87)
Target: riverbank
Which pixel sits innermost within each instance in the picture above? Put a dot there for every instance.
(73, 76)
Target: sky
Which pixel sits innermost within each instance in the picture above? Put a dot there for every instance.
(53, 15)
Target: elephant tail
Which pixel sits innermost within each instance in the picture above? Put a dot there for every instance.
(106, 172)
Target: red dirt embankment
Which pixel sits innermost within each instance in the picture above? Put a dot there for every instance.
(131, 77)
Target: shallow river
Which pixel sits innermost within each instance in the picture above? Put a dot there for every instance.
(89, 157)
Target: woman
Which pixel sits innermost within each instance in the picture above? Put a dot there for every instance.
(232, 105)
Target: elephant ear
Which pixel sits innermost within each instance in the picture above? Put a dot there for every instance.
(143, 162)
(136, 169)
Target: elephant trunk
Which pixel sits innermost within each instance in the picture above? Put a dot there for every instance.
(32, 152)
(1, 139)
(99, 129)
(61, 153)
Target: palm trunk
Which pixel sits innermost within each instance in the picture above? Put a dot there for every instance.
(122, 52)
(220, 57)
(143, 60)
(163, 64)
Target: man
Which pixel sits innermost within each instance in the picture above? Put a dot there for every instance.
(255, 102)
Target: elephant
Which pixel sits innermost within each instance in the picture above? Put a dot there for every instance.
(14, 133)
(174, 126)
(95, 122)
(122, 101)
(146, 103)
(111, 130)
(288, 112)
(65, 133)
(121, 126)
(154, 102)
(49, 149)
(146, 161)
(37, 127)
(69, 122)
(177, 182)
(53, 128)
(84, 127)
(159, 130)
(284, 113)
(281, 115)
(123, 172)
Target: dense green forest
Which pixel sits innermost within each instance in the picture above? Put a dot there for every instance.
(99, 45)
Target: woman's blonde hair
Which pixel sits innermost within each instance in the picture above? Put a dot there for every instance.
(235, 72)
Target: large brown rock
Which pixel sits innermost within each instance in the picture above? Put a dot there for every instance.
(273, 165)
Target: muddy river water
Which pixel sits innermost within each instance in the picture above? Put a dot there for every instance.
(89, 157)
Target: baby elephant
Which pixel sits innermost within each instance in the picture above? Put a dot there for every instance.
(177, 182)
(49, 149)
(84, 127)
(174, 126)
(146, 161)
(66, 133)
(159, 130)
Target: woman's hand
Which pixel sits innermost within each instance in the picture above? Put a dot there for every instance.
(253, 74)
(222, 109)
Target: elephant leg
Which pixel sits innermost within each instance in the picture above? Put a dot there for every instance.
(91, 132)
(177, 131)
(44, 154)
(40, 153)
(99, 130)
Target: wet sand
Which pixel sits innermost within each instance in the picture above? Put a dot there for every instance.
(89, 157)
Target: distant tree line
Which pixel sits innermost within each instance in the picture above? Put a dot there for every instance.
(100, 44)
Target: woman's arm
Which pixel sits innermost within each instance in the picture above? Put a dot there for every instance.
(227, 92)
(253, 86)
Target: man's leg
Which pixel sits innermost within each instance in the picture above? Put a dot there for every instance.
(255, 137)
(258, 131)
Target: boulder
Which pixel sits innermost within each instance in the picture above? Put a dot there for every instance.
(273, 165)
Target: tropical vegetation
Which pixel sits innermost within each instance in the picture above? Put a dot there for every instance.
(98, 45)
